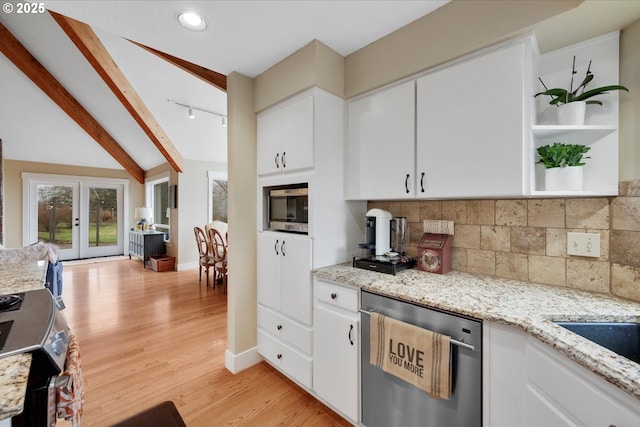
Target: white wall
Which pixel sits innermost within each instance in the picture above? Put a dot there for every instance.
(193, 199)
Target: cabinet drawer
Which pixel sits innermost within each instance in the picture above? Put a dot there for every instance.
(290, 361)
(291, 332)
(336, 295)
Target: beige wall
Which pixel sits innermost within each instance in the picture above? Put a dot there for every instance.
(458, 28)
(314, 65)
(13, 170)
(242, 200)
(630, 103)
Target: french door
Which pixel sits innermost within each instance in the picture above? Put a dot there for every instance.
(82, 216)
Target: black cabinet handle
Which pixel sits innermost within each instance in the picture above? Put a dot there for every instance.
(277, 160)
(422, 182)
(406, 183)
(279, 327)
(284, 154)
(279, 356)
(350, 330)
(282, 248)
(275, 247)
(334, 295)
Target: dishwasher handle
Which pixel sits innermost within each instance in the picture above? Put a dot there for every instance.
(451, 340)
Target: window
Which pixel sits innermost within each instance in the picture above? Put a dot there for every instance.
(157, 191)
(217, 196)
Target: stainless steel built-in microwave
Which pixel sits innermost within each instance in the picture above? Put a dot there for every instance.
(289, 209)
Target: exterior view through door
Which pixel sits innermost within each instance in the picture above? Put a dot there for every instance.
(82, 216)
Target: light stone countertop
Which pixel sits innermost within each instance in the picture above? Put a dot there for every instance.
(14, 370)
(528, 306)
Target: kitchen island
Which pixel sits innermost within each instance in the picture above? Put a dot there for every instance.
(533, 308)
(14, 370)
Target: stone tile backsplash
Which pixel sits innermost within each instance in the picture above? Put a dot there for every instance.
(526, 239)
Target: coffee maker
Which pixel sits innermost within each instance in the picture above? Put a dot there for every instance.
(377, 232)
(381, 230)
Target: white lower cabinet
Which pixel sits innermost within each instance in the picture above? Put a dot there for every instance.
(529, 384)
(285, 358)
(284, 303)
(337, 347)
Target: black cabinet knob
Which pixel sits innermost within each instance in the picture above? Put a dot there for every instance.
(334, 295)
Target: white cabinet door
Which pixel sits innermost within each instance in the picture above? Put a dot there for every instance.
(470, 127)
(269, 289)
(335, 368)
(285, 138)
(297, 135)
(527, 383)
(269, 142)
(381, 144)
(295, 253)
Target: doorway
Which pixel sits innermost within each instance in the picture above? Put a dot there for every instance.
(83, 216)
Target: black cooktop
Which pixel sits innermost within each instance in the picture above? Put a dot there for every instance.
(10, 302)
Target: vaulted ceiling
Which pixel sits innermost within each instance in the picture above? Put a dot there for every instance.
(118, 99)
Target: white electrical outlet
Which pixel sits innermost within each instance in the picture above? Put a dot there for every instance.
(583, 244)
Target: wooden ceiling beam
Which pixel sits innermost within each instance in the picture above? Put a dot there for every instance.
(208, 76)
(94, 51)
(41, 77)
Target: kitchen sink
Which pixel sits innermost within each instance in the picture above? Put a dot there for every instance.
(622, 338)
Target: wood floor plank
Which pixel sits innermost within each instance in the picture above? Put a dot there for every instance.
(146, 337)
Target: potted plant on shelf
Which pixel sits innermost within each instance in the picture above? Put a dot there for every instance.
(572, 103)
(563, 165)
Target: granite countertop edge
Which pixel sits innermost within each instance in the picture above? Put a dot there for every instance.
(530, 307)
(14, 372)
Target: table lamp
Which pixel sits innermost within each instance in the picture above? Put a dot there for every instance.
(143, 215)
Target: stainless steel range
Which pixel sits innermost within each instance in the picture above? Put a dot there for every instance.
(32, 322)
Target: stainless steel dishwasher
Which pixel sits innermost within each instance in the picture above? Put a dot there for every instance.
(389, 401)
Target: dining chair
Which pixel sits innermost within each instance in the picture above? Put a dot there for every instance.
(218, 246)
(205, 256)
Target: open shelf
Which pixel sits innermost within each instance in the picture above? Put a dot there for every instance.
(586, 133)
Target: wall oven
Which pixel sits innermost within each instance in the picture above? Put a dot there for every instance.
(288, 209)
(388, 401)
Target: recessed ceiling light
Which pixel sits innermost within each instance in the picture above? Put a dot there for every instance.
(192, 21)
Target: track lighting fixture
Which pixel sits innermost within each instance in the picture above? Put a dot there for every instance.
(192, 114)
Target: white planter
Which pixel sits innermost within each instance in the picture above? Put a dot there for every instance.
(563, 179)
(572, 113)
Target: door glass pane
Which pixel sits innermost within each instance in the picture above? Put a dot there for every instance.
(103, 217)
(55, 218)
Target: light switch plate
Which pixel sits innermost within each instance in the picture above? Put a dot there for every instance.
(583, 244)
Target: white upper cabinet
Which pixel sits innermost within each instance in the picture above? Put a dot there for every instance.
(285, 138)
(459, 131)
(472, 121)
(381, 144)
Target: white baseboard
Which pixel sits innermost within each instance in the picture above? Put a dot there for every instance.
(187, 266)
(239, 362)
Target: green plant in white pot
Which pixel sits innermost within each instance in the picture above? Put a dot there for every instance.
(563, 165)
(572, 103)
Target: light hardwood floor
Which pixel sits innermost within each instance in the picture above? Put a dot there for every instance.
(146, 337)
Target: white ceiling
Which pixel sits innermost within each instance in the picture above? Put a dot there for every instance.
(243, 36)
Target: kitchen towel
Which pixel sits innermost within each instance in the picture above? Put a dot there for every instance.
(416, 355)
(71, 394)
